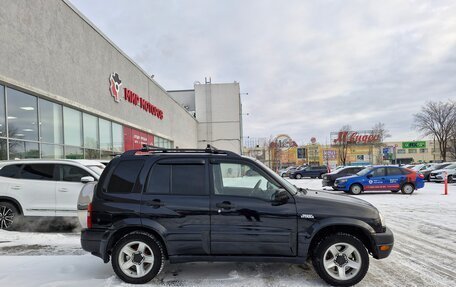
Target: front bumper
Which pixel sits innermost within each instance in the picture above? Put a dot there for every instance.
(437, 178)
(383, 244)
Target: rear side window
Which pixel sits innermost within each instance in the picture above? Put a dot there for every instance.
(38, 171)
(10, 170)
(124, 176)
(179, 179)
(392, 171)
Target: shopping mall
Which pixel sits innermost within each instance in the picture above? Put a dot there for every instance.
(67, 91)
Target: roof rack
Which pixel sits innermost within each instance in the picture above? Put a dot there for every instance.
(155, 149)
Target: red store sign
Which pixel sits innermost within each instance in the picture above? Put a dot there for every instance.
(135, 139)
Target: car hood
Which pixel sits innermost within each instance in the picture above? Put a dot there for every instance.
(324, 204)
(442, 170)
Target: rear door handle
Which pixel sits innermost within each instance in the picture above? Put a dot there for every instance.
(224, 205)
(63, 189)
(155, 203)
(16, 187)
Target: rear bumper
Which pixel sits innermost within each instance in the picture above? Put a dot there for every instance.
(327, 182)
(95, 242)
(383, 241)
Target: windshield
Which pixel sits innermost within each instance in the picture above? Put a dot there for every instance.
(365, 171)
(451, 166)
(282, 181)
(98, 169)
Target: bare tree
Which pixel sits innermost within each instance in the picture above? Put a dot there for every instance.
(437, 119)
(380, 130)
(343, 143)
(452, 143)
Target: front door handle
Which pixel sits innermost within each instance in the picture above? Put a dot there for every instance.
(63, 189)
(16, 187)
(224, 205)
(155, 203)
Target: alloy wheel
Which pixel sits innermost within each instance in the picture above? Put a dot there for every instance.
(6, 217)
(342, 261)
(136, 259)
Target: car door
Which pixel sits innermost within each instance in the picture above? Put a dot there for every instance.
(36, 186)
(394, 178)
(177, 198)
(244, 219)
(376, 179)
(68, 187)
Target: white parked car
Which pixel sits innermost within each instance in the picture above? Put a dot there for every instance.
(43, 188)
(438, 175)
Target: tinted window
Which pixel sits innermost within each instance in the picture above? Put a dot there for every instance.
(38, 171)
(159, 179)
(72, 173)
(188, 179)
(124, 176)
(392, 171)
(379, 172)
(10, 170)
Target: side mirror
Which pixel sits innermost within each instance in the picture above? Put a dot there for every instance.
(86, 179)
(280, 197)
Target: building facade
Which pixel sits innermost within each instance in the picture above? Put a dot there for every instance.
(66, 91)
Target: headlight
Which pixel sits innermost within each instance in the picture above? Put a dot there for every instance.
(382, 219)
(342, 180)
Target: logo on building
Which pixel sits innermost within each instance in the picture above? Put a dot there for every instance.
(114, 87)
(355, 137)
(283, 142)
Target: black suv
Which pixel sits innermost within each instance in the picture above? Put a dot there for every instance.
(153, 205)
(330, 178)
(309, 171)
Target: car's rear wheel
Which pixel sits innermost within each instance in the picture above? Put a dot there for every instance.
(407, 188)
(137, 258)
(9, 216)
(356, 189)
(341, 259)
(298, 176)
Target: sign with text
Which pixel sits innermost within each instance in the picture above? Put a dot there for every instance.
(417, 144)
(355, 137)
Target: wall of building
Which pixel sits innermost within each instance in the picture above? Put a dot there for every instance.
(50, 50)
(218, 111)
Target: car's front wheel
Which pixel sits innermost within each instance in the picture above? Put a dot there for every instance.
(341, 259)
(356, 188)
(298, 176)
(407, 188)
(9, 216)
(137, 258)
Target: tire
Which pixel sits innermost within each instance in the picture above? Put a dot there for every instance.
(394, 191)
(450, 179)
(407, 188)
(298, 176)
(356, 189)
(334, 188)
(320, 176)
(10, 217)
(340, 254)
(138, 244)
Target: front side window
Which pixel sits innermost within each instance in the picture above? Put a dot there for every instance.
(242, 180)
(72, 173)
(38, 171)
(378, 172)
(124, 176)
(178, 179)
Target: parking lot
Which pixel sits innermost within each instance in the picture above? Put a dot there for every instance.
(424, 254)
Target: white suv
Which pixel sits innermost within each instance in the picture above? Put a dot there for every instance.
(438, 175)
(43, 187)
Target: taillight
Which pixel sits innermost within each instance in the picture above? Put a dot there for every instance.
(421, 175)
(89, 215)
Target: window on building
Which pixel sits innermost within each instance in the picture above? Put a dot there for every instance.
(51, 151)
(124, 176)
(51, 122)
(3, 149)
(74, 152)
(22, 115)
(412, 150)
(38, 171)
(22, 149)
(117, 137)
(72, 121)
(423, 150)
(2, 112)
(90, 124)
(360, 157)
(105, 135)
(401, 151)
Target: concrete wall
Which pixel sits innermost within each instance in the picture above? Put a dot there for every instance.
(218, 111)
(186, 98)
(49, 49)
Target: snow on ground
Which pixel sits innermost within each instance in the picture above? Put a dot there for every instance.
(424, 225)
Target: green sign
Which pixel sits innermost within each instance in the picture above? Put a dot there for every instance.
(419, 144)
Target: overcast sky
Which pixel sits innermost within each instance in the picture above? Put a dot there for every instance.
(308, 67)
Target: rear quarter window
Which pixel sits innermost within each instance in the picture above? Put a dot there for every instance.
(124, 176)
(10, 170)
